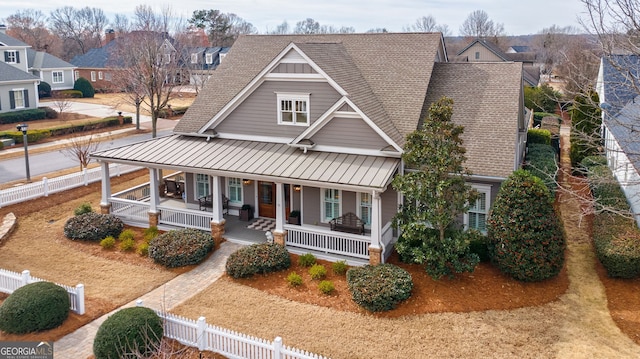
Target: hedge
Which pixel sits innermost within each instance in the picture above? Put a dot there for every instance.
(22, 116)
(535, 135)
(182, 247)
(69, 93)
(258, 258)
(606, 190)
(541, 162)
(34, 307)
(617, 244)
(34, 136)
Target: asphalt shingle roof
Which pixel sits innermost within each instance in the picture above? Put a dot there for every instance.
(7, 40)
(10, 73)
(620, 76)
(487, 103)
(625, 127)
(95, 58)
(43, 60)
(396, 68)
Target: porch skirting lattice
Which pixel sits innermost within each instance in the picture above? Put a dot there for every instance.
(263, 224)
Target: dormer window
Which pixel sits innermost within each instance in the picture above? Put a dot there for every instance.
(209, 59)
(194, 58)
(11, 57)
(293, 109)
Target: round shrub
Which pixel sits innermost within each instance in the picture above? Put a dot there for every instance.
(108, 242)
(379, 288)
(326, 286)
(526, 239)
(317, 271)
(339, 267)
(181, 247)
(34, 307)
(93, 227)
(128, 332)
(143, 249)
(307, 260)
(257, 258)
(127, 245)
(127, 234)
(82, 209)
(294, 279)
(83, 85)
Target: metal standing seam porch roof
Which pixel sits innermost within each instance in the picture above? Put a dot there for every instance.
(252, 159)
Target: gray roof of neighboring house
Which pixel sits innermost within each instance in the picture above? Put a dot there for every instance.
(228, 157)
(621, 80)
(489, 45)
(521, 57)
(43, 60)
(520, 48)
(7, 40)
(531, 74)
(202, 51)
(387, 74)
(9, 73)
(487, 103)
(625, 127)
(95, 58)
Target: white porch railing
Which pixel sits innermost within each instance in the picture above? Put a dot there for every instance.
(231, 344)
(331, 242)
(137, 193)
(47, 186)
(10, 281)
(386, 240)
(130, 211)
(186, 218)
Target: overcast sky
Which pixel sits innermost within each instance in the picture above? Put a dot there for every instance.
(518, 17)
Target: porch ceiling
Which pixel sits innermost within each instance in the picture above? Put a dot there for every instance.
(251, 159)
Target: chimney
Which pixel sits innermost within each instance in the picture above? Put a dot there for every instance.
(3, 28)
(109, 35)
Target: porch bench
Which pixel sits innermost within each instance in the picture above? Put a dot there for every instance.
(207, 202)
(348, 223)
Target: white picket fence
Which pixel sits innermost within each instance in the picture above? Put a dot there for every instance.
(10, 281)
(47, 186)
(199, 334)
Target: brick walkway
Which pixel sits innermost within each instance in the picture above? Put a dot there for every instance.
(79, 344)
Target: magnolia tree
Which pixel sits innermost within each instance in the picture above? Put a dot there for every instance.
(435, 194)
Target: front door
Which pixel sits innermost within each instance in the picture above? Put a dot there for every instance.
(267, 199)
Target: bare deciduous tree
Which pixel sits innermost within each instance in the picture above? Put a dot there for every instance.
(479, 25)
(80, 29)
(30, 26)
(427, 24)
(62, 104)
(79, 149)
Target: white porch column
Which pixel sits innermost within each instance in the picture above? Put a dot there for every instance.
(154, 196)
(375, 250)
(216, 200)
(280, 207)
(106, 188)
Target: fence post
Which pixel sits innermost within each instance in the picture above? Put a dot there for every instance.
(139, 303)
(85, 175)
(277, 348)
(26, 277)
(201, 334)
(80, 298)
(45, 186)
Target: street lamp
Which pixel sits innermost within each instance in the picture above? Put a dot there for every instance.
(23, 128)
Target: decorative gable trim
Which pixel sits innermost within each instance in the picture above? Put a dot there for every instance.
(334, 111)
(263, 76)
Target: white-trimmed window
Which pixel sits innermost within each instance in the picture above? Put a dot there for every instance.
(234, 189)
(476, 217)
(208, 58)
(477, 55)
(57, 77)
(76, 74)
(107, 76)
(100, 75)
(293, 109)
(202, 185)
(11, 56)
(194, 58)
(93, 76)
(17, 97)
(364, 207)
(330, 204)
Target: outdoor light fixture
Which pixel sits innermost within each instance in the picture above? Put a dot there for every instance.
(297, 187)
(23, 128)
(247, 182)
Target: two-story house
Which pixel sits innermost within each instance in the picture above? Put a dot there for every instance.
(316, 124)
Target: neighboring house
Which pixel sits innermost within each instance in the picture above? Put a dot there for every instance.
(514, 49)
(96, 65)
(52, 70)
(617, 87)
(482, 50)
(200, 62)
(18, 87)
(317, 124)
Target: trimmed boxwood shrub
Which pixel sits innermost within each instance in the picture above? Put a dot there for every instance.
(93, 226)
(617, 243)
(526, 237)
(606, 190)
(307, 260)
(541, 162)
(22, 116)
(588, 163)
(84, 86)
(379, 288)
(33, 136)
(257, 259)
(82, 209)
(181, 247)
(326, 287)
(69, 93)
(127, 333)
(317, 271)
(535, 135)
(34, 307)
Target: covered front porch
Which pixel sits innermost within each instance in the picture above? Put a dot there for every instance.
(134, 207)
(274, 180)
